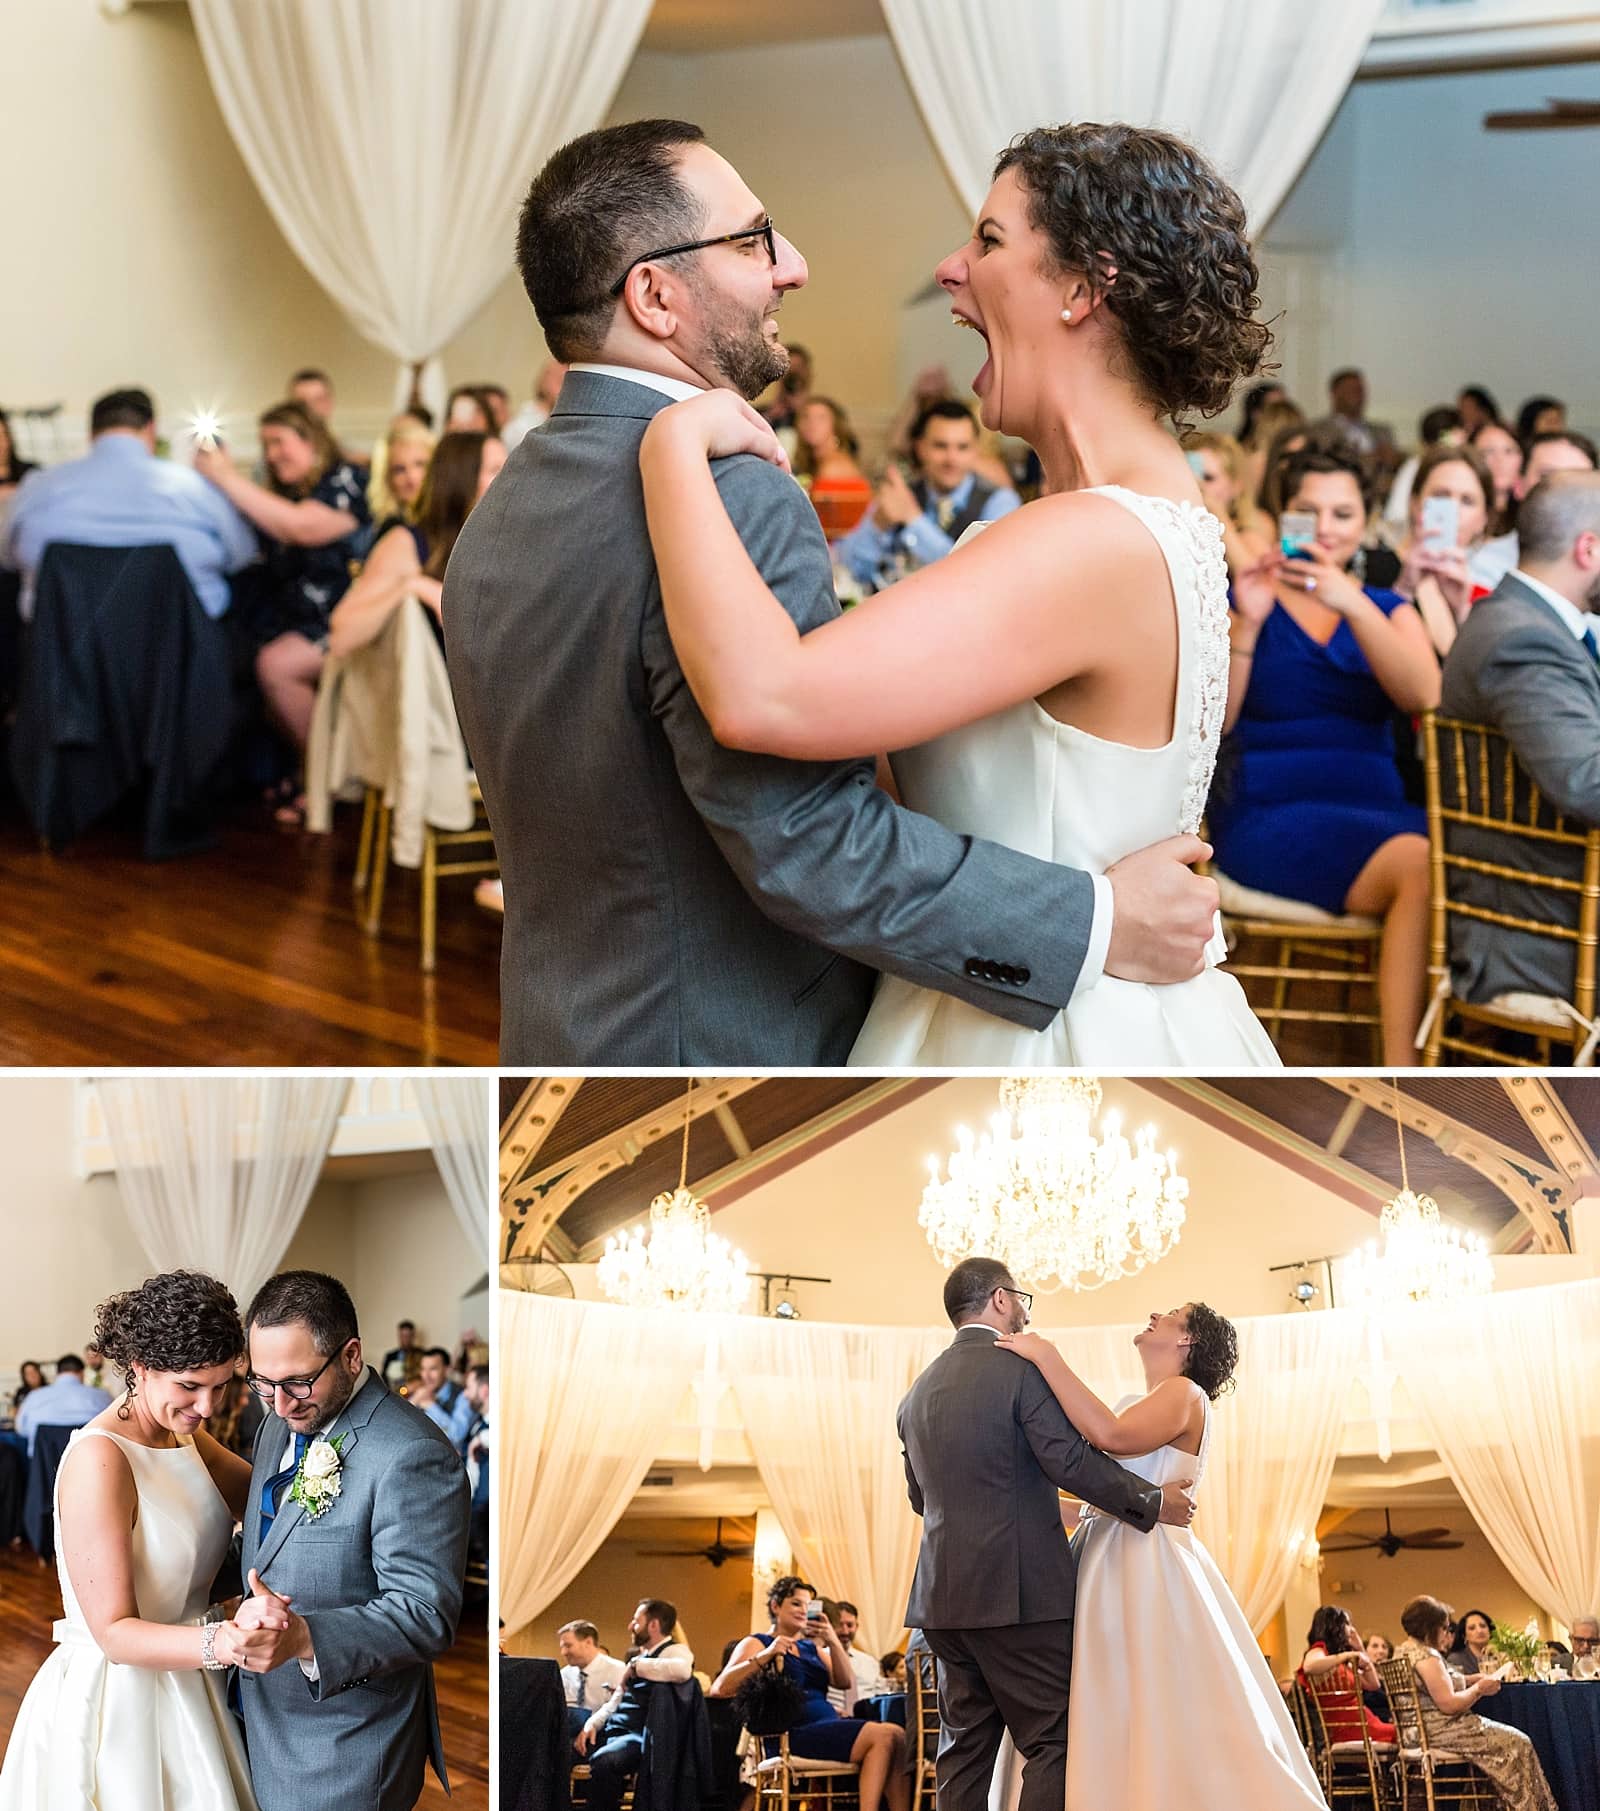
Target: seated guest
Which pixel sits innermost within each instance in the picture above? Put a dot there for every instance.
(1541, 415)
(825, 461)
(68, 1402)
(1275, 455)
(1256, 398)
(1313, 806)
(912, 525)
(433, 1391)
(409, 560)
(498, 397)
(815, 1659)
(893, 1668)
(1472, 1653)
(1524, 662)
(1218, 463)
(1586, 1642)
(469, 411)
(1334, 1649)
(476, 1438)
(399, 464)
(1477, 407)
(13, 469)
(121, 495)
(612, 1740)
(1544, 453)
(1438, 579)
(1438, 426)
(1376, 1698)
(1504, 1754)
(868, 1677)
(309, 520)
(32, 1378)
(588, 1676)
(313, 390)
(1501, 452)
(534, 414)
(403, 1361)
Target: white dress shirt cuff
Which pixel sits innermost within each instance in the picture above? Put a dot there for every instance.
(1094, 957)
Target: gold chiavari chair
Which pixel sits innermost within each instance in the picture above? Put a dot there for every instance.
(1311, 948)
(1350, 1768)
(922, 1726)
(372, 862)
(1434, 1775)
(1477, 786)
(790, 1782)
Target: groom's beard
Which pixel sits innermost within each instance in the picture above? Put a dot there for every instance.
(738, 348)
(336, 1405)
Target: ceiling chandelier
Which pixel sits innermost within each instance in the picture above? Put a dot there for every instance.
(1061, 1208)
(680, 1262)
(1423, 1258)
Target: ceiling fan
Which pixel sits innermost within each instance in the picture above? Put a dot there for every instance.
(1556, 114)
(1426, 1540)
(717, 1554)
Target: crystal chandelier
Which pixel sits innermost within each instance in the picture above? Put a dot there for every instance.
(680, 1262)
(1423, 1259)
(1058, 1206)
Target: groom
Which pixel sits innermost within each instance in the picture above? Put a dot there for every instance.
(669, 901)
(986, 1449)
(356, 1531)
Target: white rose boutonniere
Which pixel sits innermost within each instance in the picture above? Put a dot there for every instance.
(316, 1483)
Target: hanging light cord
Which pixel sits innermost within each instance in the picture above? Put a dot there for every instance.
(1399, 1126)
(683, 1168)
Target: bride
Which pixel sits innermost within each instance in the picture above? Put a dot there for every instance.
(1058, 682)
(128, 1714)
(1206, 1677)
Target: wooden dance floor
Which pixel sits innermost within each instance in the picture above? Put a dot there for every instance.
(249, 954)
(30, 1602)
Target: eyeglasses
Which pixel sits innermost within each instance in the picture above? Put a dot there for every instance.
(297, 1389)
(1019, 1295)
(764, 231)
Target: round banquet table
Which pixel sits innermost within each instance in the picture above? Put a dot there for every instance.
(886, 1707)
(1563, 1723)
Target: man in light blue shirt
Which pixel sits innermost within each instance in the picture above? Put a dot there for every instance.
(68, 1402)
(120, 495)
(912, 525)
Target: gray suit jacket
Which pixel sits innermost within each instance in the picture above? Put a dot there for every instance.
(1517, 666)
(378, 1578)
(669, 901)
(986, 1448)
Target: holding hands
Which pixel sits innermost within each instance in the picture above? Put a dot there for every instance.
(265, 1633)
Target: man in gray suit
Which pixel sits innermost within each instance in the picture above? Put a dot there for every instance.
(987, 1448)
(340, 1713)
(669, 901)
(1525, 661)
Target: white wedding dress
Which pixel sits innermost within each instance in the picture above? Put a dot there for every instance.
(1049, 789)
(1172, 1701)
(94, 1736)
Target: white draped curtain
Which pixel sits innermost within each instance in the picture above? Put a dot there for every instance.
(455, 1109)
(215, 1172)
(818, 1406)
(1519, 1429)
(392, 140)
(587, 1391)
(1273, 1444)
(1253, 83)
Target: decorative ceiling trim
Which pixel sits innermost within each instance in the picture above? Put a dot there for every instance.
(1531, 1188)
(529, 1124)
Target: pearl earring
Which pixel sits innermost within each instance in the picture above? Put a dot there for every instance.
(1066, 314)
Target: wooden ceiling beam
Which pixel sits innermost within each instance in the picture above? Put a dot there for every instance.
(530, 1123)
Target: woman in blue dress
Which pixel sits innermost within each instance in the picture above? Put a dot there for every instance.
(1312, 806)
(816, 1659)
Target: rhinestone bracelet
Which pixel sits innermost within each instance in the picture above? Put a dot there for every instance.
(208, 1649)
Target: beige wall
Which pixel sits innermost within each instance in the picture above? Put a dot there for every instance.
(67, 1242)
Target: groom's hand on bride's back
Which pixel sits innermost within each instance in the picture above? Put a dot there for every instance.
(1177, 1503)
(1164, 913)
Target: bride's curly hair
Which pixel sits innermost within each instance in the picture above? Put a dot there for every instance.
(1213, 1350)
(179, 1321)
(1149, 208)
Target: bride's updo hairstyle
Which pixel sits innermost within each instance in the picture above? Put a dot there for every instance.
(1150, 208)
(180, 1321)
(1213, 1350)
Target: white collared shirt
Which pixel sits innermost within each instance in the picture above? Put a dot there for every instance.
(674, 387)
(600, 1678)
(1577, 620)
(670, 1664)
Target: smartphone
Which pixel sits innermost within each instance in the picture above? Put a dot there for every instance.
(1297, 534)
(814, 1611)
(1441, 522)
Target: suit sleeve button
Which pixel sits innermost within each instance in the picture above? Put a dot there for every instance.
(1023, 977)
(974, 968)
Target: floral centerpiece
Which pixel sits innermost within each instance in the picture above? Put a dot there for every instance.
(1522, 1646)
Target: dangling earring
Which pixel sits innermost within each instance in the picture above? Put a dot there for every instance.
(125, 1412)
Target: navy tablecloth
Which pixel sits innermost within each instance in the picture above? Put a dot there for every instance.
(889, 1707)
(1563, 1723)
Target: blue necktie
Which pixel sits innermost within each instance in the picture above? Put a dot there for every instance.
(276, 1485)
(1591, 640)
